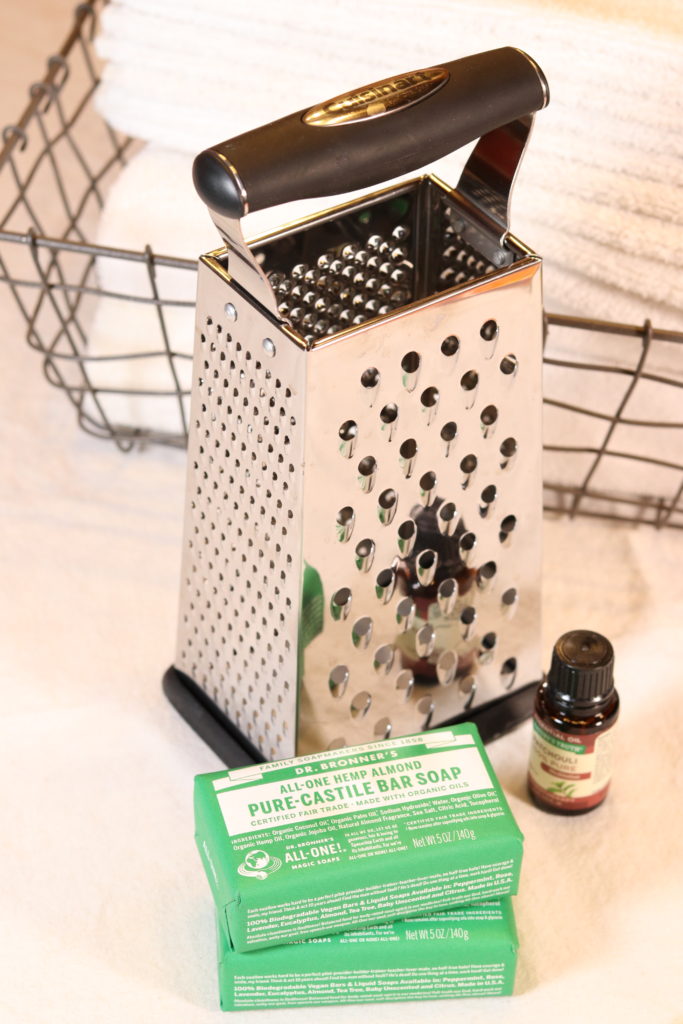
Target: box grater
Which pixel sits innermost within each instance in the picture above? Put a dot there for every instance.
(363, 524)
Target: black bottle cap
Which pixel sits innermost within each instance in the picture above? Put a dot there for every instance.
(582, 666)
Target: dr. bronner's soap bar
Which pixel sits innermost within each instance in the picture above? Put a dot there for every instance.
(339, 840)
(470, 951)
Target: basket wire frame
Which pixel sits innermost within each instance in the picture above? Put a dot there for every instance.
(56, 165)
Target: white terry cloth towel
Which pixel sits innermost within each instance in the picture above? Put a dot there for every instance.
(601, 190)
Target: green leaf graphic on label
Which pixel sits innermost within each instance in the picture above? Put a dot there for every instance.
(562, 788)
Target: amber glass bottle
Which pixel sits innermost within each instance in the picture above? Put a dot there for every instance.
(576, 708)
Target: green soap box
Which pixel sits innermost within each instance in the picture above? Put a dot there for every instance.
(351, 837)
(470, 951)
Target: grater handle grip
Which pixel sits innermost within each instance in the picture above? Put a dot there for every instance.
(370, 135)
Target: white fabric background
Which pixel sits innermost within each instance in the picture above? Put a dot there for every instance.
(105, 915)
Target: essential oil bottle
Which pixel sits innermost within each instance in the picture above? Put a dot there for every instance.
(576, 708)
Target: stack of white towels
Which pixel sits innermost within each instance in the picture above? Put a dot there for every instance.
(600, 193)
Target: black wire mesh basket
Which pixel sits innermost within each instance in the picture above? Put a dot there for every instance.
(57, 162)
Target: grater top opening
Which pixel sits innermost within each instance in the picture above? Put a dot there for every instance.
(369, 259)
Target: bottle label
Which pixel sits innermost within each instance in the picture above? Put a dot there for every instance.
(569, 772)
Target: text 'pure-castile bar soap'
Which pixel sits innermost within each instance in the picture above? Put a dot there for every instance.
(344, 839)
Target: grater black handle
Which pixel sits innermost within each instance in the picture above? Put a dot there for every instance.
(367, 136)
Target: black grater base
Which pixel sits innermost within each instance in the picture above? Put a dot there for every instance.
(493, 719)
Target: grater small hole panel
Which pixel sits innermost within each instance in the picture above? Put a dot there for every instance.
(238, 556)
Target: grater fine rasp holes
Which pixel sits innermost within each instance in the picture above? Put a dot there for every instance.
(236, 478)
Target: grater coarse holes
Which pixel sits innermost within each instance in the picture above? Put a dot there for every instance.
(362, 544)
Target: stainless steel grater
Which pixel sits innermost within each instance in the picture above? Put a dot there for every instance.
(363, 523)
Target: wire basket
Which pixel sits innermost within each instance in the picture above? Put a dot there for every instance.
(56, 166)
